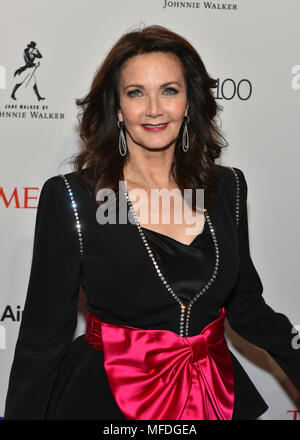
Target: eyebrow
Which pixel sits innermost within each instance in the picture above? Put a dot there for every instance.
(142, 87)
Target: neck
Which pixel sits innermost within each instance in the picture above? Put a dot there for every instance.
(153, 171)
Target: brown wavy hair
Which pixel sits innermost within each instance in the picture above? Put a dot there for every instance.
(98, 117)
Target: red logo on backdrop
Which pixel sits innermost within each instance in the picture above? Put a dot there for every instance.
(294, 413)
(19, 198)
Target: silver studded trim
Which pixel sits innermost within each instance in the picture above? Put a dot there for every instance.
(185, 309)
(237, 205)
(74, 206)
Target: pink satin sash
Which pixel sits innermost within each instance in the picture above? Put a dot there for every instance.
(159, 375)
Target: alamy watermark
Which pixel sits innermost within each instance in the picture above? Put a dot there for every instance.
(296, 338)
(172, 200)
(2, 337)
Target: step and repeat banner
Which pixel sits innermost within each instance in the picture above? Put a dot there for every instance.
(251, 46)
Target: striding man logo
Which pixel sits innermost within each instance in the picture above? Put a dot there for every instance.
(26, 75)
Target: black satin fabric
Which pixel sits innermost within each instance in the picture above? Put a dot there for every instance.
(187, 267)
(54, 376)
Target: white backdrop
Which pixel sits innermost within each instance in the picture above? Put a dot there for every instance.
(251, 46)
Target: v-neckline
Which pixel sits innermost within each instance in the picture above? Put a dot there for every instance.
(160, 233)
(174, 239)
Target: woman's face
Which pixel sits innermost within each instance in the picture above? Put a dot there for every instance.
(153, 99)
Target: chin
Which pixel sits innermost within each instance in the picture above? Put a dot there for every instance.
(157, 145)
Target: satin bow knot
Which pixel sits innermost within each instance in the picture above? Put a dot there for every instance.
(198, 346)
(159, 375)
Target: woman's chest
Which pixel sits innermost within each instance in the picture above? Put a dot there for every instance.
(168, 212)
(137, 272)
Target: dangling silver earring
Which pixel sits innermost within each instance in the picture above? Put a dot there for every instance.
(185, 135)
(122, 140)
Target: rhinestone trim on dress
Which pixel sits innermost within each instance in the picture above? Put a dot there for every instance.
(185, 309)
(237, 205)
(74, 206)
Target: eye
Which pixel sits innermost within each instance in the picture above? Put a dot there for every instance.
(171, 91)
(134, 92)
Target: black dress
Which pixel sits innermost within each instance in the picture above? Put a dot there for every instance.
(56, 377)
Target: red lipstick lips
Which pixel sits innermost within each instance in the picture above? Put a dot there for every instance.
(157, 127)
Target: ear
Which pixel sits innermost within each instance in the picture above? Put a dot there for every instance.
(120, 115)
(186, 112)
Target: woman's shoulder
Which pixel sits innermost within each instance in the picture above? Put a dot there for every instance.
(228, 173)
(231, 179)
(69, 184)
(75, 177)
(233, 187)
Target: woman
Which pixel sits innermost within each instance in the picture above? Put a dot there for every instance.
(154, 346)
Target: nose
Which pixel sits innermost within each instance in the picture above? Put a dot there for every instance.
(153, 107)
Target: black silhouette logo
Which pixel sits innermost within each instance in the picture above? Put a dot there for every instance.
(27, 73)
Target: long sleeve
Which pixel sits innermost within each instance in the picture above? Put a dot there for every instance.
(247, 311)
(50, 313)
